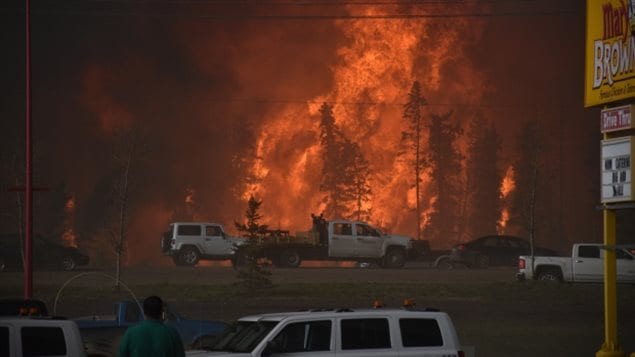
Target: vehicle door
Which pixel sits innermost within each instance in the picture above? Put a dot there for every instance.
(625, 266)
(368, 241)
(215, 242)
(342, 240)
(304, 339)
(588, 265)
(489, 246)
(365, 337)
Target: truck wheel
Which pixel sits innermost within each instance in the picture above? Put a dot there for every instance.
(481, 261)
(395, 258)
(68, 263)
(444, 264)
(290, 258)
(552, 275)
(189, 256)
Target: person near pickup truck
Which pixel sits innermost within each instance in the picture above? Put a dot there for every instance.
(151, 337)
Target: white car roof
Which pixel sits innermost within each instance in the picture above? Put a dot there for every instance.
(279, 316)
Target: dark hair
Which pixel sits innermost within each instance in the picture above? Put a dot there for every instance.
(153, 307)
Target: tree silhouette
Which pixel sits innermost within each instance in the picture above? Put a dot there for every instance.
(529, 147)
(345, 171)
(444, 162)
(252, 274)
(483, 179)
(413, 139)
(357, 186)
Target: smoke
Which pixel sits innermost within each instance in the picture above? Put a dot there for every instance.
(228, 107)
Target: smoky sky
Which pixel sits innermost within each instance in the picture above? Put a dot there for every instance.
(199, 79)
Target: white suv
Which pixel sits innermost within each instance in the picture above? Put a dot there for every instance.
(351, 333)
(189, 242)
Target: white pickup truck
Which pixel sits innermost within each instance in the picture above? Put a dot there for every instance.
(586, 264)
(40, 336)
(336, 240)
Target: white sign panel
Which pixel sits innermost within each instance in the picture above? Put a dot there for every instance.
(616, 169)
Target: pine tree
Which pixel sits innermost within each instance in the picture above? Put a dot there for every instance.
(357, 184)
(345, 171)
(413, 138)
(252, 275)
(483, 179)
(444, 163)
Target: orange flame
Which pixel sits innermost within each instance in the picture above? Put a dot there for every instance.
(507, 186)
(375, 70)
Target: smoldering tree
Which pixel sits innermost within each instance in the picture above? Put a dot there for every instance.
(357, 174)
(127, 155)
(252, 273)
(345, 171)
(443, 161)
(413, 139)
(483, 179)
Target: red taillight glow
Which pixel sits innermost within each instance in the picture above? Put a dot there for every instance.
(521, 263)
(461, 354)
(461, 247)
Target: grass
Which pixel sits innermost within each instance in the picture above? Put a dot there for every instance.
(497, 318)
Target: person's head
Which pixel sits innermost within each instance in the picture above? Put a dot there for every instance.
(153, 307)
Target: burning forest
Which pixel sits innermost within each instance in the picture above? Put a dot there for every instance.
(408, 115)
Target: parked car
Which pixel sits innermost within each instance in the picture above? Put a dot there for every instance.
(493, 250)
(47, 254)
(339, 332)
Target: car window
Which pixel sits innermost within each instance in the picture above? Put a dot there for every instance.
(364, 230)
(365, 334)
(43, 341)
(306, 336)
(490, 242)
(212, 231)
(343, 229)
(517, 243)
(589, 251)
(189, 230)
(420, 332)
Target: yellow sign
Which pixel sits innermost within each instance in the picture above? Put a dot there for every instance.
(610, 51)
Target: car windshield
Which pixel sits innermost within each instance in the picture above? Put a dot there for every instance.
(242, 336)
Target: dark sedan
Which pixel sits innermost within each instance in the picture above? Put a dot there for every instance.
(47, 254)
(494, 250)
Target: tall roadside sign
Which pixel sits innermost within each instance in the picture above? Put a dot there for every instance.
(610, 81)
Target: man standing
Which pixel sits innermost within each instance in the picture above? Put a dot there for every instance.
(151, 337)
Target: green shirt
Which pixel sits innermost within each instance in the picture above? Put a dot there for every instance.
(151, 338)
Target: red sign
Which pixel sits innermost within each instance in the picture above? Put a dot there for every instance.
(618, 118)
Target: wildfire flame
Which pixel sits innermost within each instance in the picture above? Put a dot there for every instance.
(375, 70)
(507, 186)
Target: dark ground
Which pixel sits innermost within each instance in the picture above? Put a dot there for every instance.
(493, 313)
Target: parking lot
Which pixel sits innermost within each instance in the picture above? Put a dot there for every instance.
(492, 312)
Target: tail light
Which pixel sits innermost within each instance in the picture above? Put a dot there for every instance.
(521, 263)
(461, 354)
(461, 247)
